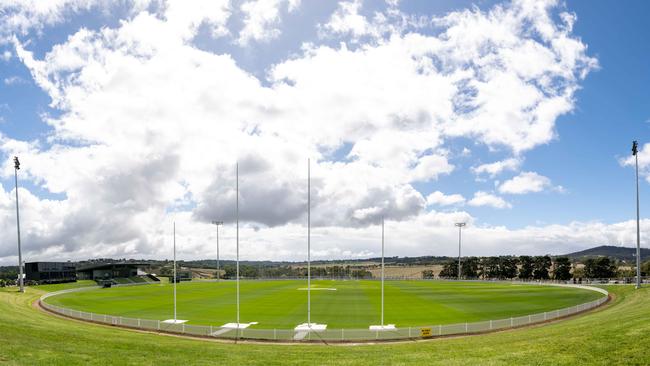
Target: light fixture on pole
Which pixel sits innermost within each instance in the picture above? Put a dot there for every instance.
(460, 227)
(21, 283)
(635, 152)
(218, 223)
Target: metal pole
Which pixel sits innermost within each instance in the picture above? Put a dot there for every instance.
(382, 271)
(459, 237)
(237, 186)
(638, 232)
(217, 223)
(20, 255)
(308, 243)
(175, 278)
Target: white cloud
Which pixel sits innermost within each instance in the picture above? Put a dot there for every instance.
(487, 199)
(6, 55)
(13, 80)
(526, 182)
(496, 168)
(440, 199)
(261, 19)
(148, 128)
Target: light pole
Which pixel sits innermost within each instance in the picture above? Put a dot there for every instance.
(309, 243)
(217, 223)
(635, 151)
(460, 227)
(20, 255)
(382, 271)
(175, 277)
(237, 214)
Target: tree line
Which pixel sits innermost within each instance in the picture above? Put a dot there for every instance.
(527, 268)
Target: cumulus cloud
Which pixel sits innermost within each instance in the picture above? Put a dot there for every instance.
(440, 199)
(261, 18)
(148, 126)
(487, 199)
(496, 168)
(526, 182)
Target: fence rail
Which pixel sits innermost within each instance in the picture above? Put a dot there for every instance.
(328, 335)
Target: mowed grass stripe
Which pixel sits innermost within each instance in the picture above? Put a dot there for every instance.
(355, 304)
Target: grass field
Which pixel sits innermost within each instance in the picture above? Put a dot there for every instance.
(339, 304)
(616, 334)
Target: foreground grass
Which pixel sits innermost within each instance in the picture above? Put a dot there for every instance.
(355, 304)
(616, 334)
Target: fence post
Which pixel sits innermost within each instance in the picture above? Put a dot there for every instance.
(409, 332)
(466, 328)
(158, 324)
(439, 329)
(530, 319)
(544, 316)
(275, 335)
(342, 334)
(512, 324)
(183, 328)
(490, 324)
(138, 322)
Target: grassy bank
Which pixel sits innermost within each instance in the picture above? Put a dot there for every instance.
(616, 334)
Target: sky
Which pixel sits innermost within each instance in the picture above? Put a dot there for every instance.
(515, 117)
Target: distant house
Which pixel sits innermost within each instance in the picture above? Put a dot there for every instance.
(50, 272)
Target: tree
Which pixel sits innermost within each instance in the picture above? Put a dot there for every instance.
(526, 270)
(490, 267)
(600, 268)
(542, 264)
(428, 274)
(507, 267)
(562, 269)
(449, 270)
(469, 268)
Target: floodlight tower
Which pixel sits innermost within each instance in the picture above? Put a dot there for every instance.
(460, 227)
(635, 151)
(218, 223)
(20, 256)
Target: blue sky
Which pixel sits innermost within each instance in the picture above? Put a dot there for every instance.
(584, 184)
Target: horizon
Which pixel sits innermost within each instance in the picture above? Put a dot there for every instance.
(514, 117)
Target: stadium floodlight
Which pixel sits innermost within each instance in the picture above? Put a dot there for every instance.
(21, 282)
(217, 223)
(460, 227)
(635, 152)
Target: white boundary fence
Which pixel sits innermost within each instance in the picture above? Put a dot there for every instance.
(328, 335)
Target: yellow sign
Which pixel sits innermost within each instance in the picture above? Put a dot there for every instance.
(425, 332)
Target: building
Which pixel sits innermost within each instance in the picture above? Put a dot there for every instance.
(50, 272)
(108, 271)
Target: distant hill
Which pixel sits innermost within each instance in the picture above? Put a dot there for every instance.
(620, 253)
